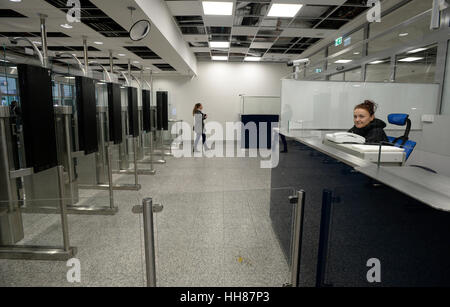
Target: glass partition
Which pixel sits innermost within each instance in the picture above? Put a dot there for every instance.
(417, 66)
(223, 236)
(101, 92)
(417, 30)
(378, 71)
(353, 75)
(317, 65)
(64, 90)
(336, 54)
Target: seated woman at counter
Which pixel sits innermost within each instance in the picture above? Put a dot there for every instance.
(366, 125)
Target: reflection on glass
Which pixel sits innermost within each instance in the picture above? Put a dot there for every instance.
(378, 71)
(416, 66)
(63, 90)
(403, 35)
(101, 93)
(352, 40)
(316, 66)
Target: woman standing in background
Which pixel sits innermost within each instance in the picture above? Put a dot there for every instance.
(199, 125)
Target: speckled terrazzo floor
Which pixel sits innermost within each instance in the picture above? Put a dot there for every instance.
(214, 231)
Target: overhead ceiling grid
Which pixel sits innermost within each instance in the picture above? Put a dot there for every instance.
(252, 31)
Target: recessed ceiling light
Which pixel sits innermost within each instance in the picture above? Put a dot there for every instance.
(219, 44)
(376, 62)
(411, 59)
(356, 53)
(37, 43)
(67, 26)
(403, 34)
(15, 0)
(71, 78)
(284, 10)
(417, 50)
(135, 62)
(121, 54)
(219, 58)
(252, 59)
(343, 61)
(98, 43)
(217, 8)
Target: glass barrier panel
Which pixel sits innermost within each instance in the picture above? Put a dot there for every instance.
(217, 228)
(107, 247)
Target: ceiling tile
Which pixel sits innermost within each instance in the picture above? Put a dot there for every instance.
(321, 33)
(244, 31)
(238, 50)
(259, 45)
(196, 38)
(185, 8)
(218, 21)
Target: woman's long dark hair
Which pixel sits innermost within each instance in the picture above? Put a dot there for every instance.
(197, 105)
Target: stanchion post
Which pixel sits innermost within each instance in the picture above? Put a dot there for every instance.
(110, 177)
(64, 222)
(297, 237)
(136, 179)
(149, 241)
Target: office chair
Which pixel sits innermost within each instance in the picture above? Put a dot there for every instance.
(402, 141)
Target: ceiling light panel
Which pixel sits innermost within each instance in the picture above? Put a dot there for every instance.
(219, 58)
(219, 44)
(217, 8)
(284, 10)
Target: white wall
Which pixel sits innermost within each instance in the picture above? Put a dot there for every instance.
(218, 86)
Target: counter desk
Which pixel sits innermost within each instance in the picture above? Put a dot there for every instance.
(355, 211)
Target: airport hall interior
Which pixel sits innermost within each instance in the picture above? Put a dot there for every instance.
(225, 143)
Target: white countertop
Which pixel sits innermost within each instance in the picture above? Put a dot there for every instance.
(424, 186)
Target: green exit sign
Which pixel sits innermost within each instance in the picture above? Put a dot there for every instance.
(338, 41)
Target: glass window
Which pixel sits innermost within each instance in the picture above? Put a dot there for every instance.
(316, 66)
(446, 94)
(353, 39)
(402, 35)
(8, 89)
(416, 66)
(378, 71)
